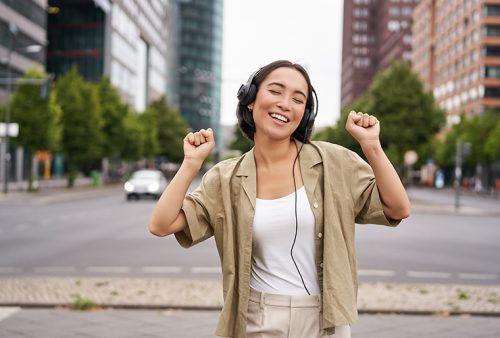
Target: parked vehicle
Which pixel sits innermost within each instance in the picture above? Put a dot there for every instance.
(145, 183)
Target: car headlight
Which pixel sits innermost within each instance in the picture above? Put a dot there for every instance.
(129, 187)
(153, 187)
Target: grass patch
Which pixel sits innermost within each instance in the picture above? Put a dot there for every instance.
(82, 304)
(462, 295)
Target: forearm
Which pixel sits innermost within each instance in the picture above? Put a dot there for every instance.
(392, 192)
(167, 211)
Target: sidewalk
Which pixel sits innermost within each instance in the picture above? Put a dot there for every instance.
(60, 323)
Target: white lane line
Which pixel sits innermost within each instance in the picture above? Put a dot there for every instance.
(477, 276)
(161, 269)
(205, 269)
(7, 311)
(111, 269)
(379, 273)
(8, 269)
(428, 274)
(46, 269)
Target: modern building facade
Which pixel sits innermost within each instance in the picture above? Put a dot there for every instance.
(124, 39)
(375, 34)
(22, 46)
(200, 61)
(457, 54)
(22, 24)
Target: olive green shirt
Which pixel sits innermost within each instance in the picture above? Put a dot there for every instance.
(341, 189)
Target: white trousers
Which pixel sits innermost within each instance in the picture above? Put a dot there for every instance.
(280, 316)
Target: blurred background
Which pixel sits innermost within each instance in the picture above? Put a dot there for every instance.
(96, 89)
(96, 97)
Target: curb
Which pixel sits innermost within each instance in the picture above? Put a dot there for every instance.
(190, 294)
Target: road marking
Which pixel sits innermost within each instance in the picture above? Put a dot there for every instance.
(162, 269)
(55, 269)
(205, 269)
(7, 311)
(477, 276)
(379, 273)
(6, 269)
(428, 274)
(111, 269)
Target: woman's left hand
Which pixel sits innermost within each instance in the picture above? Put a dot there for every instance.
(364, 128)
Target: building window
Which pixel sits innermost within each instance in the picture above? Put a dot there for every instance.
(491, 30)
(394, 11)
(492, 72)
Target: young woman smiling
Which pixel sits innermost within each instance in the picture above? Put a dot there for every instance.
(283, 214)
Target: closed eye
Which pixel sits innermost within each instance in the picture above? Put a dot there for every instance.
(298, 101)
(275, 92)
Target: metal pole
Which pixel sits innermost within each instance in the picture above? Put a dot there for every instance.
(12, 30)
(458, 173)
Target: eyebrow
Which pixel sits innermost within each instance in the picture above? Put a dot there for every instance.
(283, 86)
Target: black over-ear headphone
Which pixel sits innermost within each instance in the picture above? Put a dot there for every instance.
(248, 91)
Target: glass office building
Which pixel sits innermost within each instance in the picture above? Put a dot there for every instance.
(200, 54)
(126, 40)
(22, 26)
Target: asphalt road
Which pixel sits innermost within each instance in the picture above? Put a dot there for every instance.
(99, 234)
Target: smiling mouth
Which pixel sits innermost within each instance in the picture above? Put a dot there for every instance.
(279, 117)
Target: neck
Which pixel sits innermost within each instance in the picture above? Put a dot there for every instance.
(267, 153)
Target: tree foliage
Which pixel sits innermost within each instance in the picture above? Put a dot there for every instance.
(34, 114)
(240, 142)
(114, 111)
(407, 114)
(170, 131)
(81, 120)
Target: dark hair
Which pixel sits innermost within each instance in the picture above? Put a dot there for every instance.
(245, 116)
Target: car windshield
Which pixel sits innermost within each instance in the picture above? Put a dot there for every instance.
(146, 175)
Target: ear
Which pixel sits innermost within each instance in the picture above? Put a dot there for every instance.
(250, 107)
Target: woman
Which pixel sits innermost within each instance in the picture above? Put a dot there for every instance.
(283, 214)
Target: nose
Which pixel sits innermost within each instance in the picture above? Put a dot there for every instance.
(284, 103)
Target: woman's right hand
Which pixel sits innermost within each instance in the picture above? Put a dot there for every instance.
(198, 145)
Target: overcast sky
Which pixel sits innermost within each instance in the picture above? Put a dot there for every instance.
(257, 32)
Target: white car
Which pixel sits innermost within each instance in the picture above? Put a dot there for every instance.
(145, 182)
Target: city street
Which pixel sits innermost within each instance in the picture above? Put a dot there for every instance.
(102, 235)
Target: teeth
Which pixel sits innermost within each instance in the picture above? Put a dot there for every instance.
(279, 117)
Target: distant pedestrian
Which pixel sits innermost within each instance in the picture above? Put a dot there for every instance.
(283, 214)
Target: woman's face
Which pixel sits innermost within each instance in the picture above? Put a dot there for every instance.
(280, 104)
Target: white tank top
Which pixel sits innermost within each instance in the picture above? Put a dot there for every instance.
(273, 230)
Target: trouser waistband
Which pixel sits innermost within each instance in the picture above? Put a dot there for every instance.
(284, 300)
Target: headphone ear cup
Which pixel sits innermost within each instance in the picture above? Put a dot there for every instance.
(246, 94)
(305, 126)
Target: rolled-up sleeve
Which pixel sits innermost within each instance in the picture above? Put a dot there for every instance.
(199, 207)
(368, 207)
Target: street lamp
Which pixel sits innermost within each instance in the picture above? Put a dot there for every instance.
(28, 49)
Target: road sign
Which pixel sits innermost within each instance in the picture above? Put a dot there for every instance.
(411, 157)
(13, 129)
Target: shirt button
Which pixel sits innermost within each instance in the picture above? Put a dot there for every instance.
(320, 235)
(315, 205)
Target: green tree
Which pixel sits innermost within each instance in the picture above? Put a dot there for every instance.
(408, 115)
(36, 116)
(170, 127)
(113, 112)
(81, 121)
(240, 141)
(492, 145)
(134, 138)
(338, 134)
